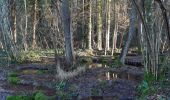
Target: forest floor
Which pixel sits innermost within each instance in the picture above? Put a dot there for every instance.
(98, 81)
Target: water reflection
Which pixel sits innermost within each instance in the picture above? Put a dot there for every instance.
(95, 65)
(111, 75)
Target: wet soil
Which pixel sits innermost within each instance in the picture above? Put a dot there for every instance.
(110, 83)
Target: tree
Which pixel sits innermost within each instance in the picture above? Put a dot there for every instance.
(130, 33)
(26, 26)
(89, 46)
(108, 25)
(67, 32)
(34, 25)
(5, 25)
(115, 27)
(99, 26)
(14, 21)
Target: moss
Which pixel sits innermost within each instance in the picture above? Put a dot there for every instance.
(20, 97)
(13, 78)
(38, 96)
(32, 56)
(117, 62)
(13, 74)
(41, 96)
(85, 60)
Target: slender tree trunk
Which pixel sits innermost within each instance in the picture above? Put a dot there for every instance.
(89, 46)
(108, 25)
(99, 28)
(34, 25)
(14, 19)
(26, 21)
(67, 32)
(115, 28)
(130, 33)
(83, 23)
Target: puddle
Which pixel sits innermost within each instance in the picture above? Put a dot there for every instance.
(111, 75)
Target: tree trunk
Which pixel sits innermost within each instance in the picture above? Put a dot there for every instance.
(5, 26)
(89, 46)
(26, 21)
(34, 25)
(115, 28)
(130, 33)
(67, 32)
(108, 25)
(99, 28)
(14, 20)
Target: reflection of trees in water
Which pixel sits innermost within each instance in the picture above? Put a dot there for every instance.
(110, 76)
(61, 74)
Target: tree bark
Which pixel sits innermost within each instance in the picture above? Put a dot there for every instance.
(26, 21)
(5, 26)
(130, 33)
(34, 25)
(108, 25)
(67, 32)
(14, 20)
(89, 46)
(115, 28)
(99, 28)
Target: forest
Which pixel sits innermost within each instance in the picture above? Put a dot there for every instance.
(84, 49)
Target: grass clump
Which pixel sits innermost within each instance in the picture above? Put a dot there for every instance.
(13, 78)
(65, 91)
(28, 56)
(41, 96)
(117, 62)
(37, 96)
(95, 92)
(147, 86)
(84, 60)
(20, 97)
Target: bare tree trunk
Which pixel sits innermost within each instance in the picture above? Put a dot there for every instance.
(115, 28)
(108, 25)
(5, 26)
(67, 32)
(89, 46)
(34, 25)
(14, 20)
(83, 23)
(99, 28)
(130, 33)
(26, 21)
